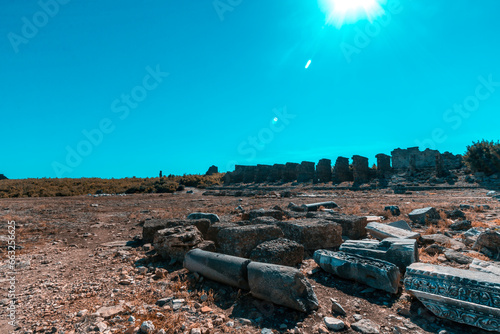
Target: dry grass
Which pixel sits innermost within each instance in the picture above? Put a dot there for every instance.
(478, 256)
(73, 187)
(426, 258)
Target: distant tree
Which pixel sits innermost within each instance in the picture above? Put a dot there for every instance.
(3, 177)
(483, 156)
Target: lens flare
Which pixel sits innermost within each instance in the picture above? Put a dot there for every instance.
(340, 12)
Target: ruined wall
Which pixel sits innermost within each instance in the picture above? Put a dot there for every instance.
(324, 171)
(410, 160)
(212, 170)
(306, 171)
(423, 159)
(341, 171)
(384, 168)
(360, 169)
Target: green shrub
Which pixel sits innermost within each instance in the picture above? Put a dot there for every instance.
(483, 156)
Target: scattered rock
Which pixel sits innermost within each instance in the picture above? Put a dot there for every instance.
(334, 324)
(200, 215)
(110, 311)
(455, 214)
(394, 209)
(173, 243)
(366, 326)
(337, 308)
(424, 215)
(241, 240)
(488, 242)
(457, 257)
(461, 225)
(279, 251)
(401, 224)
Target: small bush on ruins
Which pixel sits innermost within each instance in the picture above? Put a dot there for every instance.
(483, 156)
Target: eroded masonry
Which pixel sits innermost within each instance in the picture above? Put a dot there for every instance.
(410, 160)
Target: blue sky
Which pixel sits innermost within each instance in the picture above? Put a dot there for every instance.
(128, 88)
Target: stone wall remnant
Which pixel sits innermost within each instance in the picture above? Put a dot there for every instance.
(305, 171)
(212, 170)
(291, 171)
(324, 171)
(342, 171)
(361, 171)
(384, 168)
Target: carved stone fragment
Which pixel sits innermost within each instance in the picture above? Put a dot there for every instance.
(463, 296)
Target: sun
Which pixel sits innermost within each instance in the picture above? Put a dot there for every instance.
(340, 12)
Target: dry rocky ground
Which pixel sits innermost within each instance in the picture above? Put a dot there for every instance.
(80, 254)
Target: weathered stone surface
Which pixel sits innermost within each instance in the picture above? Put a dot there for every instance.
(110, 311)
(291, 171)
(366, 326)
(214, 229)
(201, 215)
(401, 252)
(423, 159)
(334, 324)
(394, 209)
(265, 213)
(239, 241)
(464, 296)
(277, 173)
(461, 225)
(382, 231)
(455, 214)
(212, 170)
(230, 270)
(305, 171)
(378, 274)
(324, 170)
(262, 173)
(485, 267)
(383, 165)
(401, 224)
(278, 251)
(316, 206)
(457, 257)
(151, 226)
(281, 285)
(266, 220)
(353, 227)
(297, 208)
(313, 234)
(470, 236)
(442, 240)
(361, 172)
(488, 242)
(173, 243)
(342, 172)
(421, 216)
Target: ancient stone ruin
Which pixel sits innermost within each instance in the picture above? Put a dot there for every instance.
(212, 170)
(410, 161)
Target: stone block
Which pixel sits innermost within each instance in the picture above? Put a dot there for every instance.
(313, 233)
(463, 296)
(401, 252)
(382, 231)
(375, 273)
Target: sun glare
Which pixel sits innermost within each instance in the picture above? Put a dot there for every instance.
(340, 12)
